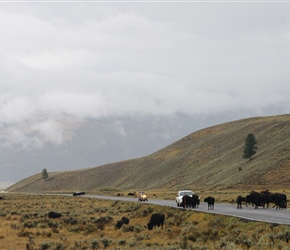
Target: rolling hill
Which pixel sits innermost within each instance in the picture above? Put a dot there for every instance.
(210, 158)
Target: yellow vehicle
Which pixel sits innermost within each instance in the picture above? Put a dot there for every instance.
(142, 196)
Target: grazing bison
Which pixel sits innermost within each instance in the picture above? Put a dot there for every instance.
(124, 220)
(210, 202)
(132, 194)
(1, 198)
(119, 224)
(239, 201)
(256, 198)
(54, 215)
(156, 220)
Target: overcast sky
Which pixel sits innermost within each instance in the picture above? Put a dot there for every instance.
(115, 59)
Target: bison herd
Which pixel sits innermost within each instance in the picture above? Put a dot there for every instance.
(263, 199)
(194, 200)
(257, 199)
(156, 219)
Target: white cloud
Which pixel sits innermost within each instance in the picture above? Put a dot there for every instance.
(94, 60)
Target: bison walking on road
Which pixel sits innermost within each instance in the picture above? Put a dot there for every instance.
(280, 200)
(195, 201)
(210, 202)
(239, 201)
(186, 201)
(256, 198)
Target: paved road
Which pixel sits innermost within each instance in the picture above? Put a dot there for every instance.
(270, 215)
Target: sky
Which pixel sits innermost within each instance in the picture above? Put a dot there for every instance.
(94, 60)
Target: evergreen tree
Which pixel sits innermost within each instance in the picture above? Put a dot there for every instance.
(250, 147)
(44, 174)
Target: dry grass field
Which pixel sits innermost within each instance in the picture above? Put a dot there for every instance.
(88, 223)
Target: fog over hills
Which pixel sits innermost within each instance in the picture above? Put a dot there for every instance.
(83, 144)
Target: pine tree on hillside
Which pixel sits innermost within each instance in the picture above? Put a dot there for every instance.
(250, 147)
(44, 174)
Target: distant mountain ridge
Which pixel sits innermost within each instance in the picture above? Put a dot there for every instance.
(210, 158)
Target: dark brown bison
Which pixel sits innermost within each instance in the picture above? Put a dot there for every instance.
(280, 200)
(268, 197)
(256, 198)
(195, 201)
(186, 201)
(190, 201)
(54, 215)
(210, 202)
(156, 220)
(78, 193)
(124, 220)
(239, 201)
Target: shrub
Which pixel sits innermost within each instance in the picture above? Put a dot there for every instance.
(23, 233)
(70, 221)
(30, 224)
(94, 244)
(106, 242)
(122, 242)
(59, 246)
(44, 246)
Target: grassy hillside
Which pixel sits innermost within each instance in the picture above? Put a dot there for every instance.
(210, 158)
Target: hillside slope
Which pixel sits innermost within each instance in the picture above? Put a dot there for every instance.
(206, 159)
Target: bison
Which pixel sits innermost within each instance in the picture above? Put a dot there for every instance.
(186, 201)
(54, 215)
(119, 224)
(210, 202)
(79, 193)
(190, 201)
(256, 198)
(268, 195)
(239, 201)
(156, 220)
(195, 201)
(124, 220)
(280, 200)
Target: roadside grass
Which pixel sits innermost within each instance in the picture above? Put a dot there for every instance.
(89, 223)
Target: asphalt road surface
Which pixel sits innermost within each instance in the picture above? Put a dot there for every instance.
(271, 215)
